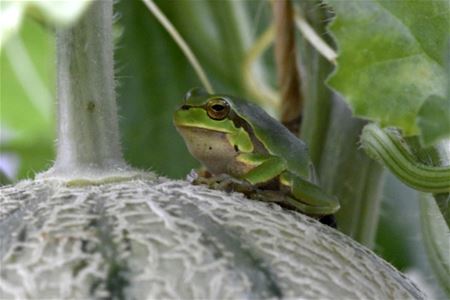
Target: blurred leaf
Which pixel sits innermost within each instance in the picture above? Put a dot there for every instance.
(221, 25)
(27, 123)
(391, 58)
(19, 111)
(4, 180)
(36, 154)
(391, 244)
(434, 115)
(153, 76)
(434, 119)
(400, 239)
(61, 12)
(437, 239)
(11, 14)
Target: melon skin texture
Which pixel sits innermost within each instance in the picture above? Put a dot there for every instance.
(155, 239)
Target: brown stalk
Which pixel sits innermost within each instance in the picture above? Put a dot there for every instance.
(285, 56)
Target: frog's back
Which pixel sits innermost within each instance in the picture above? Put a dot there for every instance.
(282, 142)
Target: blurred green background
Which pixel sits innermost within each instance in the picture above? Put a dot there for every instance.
(153, 75)
(27, 92)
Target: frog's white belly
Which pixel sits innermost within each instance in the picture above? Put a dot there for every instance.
(213, 150)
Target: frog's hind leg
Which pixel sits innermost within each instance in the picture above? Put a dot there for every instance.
(307, 196)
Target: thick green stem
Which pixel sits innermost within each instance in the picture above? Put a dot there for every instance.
(436, 157)
(424, 169)
(88, 134)
(387, 146)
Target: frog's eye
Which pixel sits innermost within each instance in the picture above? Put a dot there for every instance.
(217, 108)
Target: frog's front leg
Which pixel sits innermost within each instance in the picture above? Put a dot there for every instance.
(307, 196)
(263, 168)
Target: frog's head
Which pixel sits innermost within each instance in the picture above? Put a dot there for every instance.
(205, 111)
(207, 124)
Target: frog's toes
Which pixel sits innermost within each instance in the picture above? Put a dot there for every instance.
(192, 176)
(230, 184)
(217, 182)
(210, 182)
(199, 176)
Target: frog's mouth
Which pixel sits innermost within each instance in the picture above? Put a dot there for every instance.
(198, 119)
(195, 128)
(201, 137)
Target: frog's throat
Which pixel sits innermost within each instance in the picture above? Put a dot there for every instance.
(212, 148)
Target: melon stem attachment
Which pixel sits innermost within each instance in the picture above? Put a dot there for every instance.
(88, 145)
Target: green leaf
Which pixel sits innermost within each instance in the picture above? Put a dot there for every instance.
(434, 119)
(391, 59)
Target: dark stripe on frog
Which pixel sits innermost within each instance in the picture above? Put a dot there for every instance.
(239, 122)
(263, 282)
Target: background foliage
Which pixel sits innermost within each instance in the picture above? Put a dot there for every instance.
(153, 75)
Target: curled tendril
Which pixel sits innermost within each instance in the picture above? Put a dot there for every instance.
(388, 147)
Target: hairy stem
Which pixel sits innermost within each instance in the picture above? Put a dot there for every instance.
(88, 134)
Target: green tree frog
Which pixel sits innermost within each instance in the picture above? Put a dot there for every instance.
(233, 137)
